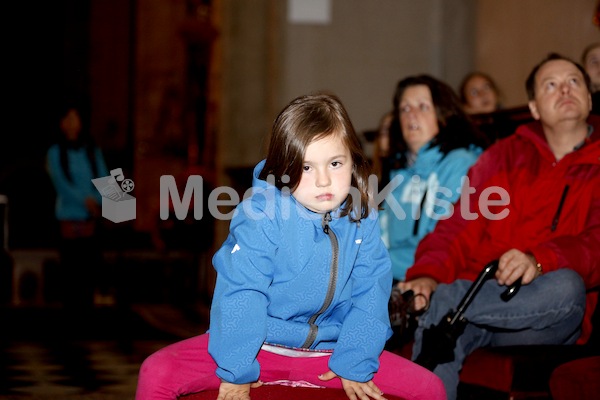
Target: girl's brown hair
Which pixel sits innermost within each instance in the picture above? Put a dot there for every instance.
(304, 120)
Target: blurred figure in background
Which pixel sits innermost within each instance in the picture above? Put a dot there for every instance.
(479, 94)
(432, 145)
(590, 59)
(382, 148)
(72, 163)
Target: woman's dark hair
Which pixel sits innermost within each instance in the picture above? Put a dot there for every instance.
(530, 81)
(304, 120)
(84, 139)
(456, 129)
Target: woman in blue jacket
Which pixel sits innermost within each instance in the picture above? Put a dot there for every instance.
(303, 278)
(72, 163)
(433, 145)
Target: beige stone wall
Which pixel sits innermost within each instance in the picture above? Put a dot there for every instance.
(513, 35)
(360, 54)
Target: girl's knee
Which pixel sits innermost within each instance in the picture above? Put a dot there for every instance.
(437, 390)
(156, 368)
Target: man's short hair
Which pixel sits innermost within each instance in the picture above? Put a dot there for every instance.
(530, 82)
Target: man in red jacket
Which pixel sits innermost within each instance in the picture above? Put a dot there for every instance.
(532, 201)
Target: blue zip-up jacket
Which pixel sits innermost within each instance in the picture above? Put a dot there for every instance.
(71, 194)
(422, 194)
(278, 282)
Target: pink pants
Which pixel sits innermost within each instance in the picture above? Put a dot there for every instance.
(186, 367)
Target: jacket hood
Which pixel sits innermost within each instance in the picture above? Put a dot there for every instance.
(533, 132)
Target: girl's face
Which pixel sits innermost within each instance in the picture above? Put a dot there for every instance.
(326, 176)
(417, 117)
(480, 96)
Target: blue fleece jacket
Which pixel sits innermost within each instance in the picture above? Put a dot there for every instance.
(71, 194)
(275, 271)
(422, 194)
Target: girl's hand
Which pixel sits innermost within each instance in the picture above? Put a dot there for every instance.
(232, 391)
(356, 390)
(424, 286)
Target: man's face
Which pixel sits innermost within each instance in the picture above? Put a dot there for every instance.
(560, 94)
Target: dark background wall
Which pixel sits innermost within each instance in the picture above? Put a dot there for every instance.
(47, 57)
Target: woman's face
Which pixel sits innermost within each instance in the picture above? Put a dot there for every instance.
(592, 67)
(71, 125)
(417, 117)
(480, 96)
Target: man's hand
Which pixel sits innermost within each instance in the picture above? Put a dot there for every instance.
(231, 391)
(424, 286)
(356, 390)
(515, 264)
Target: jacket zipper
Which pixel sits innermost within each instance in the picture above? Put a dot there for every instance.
(559, 209)
(421, 211)
(333, 272)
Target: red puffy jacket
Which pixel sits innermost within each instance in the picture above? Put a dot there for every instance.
(553, 212)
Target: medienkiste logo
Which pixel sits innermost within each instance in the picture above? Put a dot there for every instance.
(431, 198)
(117, 204)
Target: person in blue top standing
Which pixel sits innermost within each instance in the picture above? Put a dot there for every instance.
(432, 146)
(303, 278)
(72, 163)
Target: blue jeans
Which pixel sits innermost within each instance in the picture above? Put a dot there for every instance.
(549, 310)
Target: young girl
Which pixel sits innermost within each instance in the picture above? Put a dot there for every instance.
(303, 278)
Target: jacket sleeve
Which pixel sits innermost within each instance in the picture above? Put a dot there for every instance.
(238, 317)
(366, 328)
(440, 253)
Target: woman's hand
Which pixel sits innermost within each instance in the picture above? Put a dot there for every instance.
(232, 391)
(515, 264)
(423, 286)
(92, 206)
(356, 390)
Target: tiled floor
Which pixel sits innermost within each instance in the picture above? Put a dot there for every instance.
(50, 353)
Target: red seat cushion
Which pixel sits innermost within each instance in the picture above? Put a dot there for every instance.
(279, 392)
(489, 369)
(578, 379)
(518, 369)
